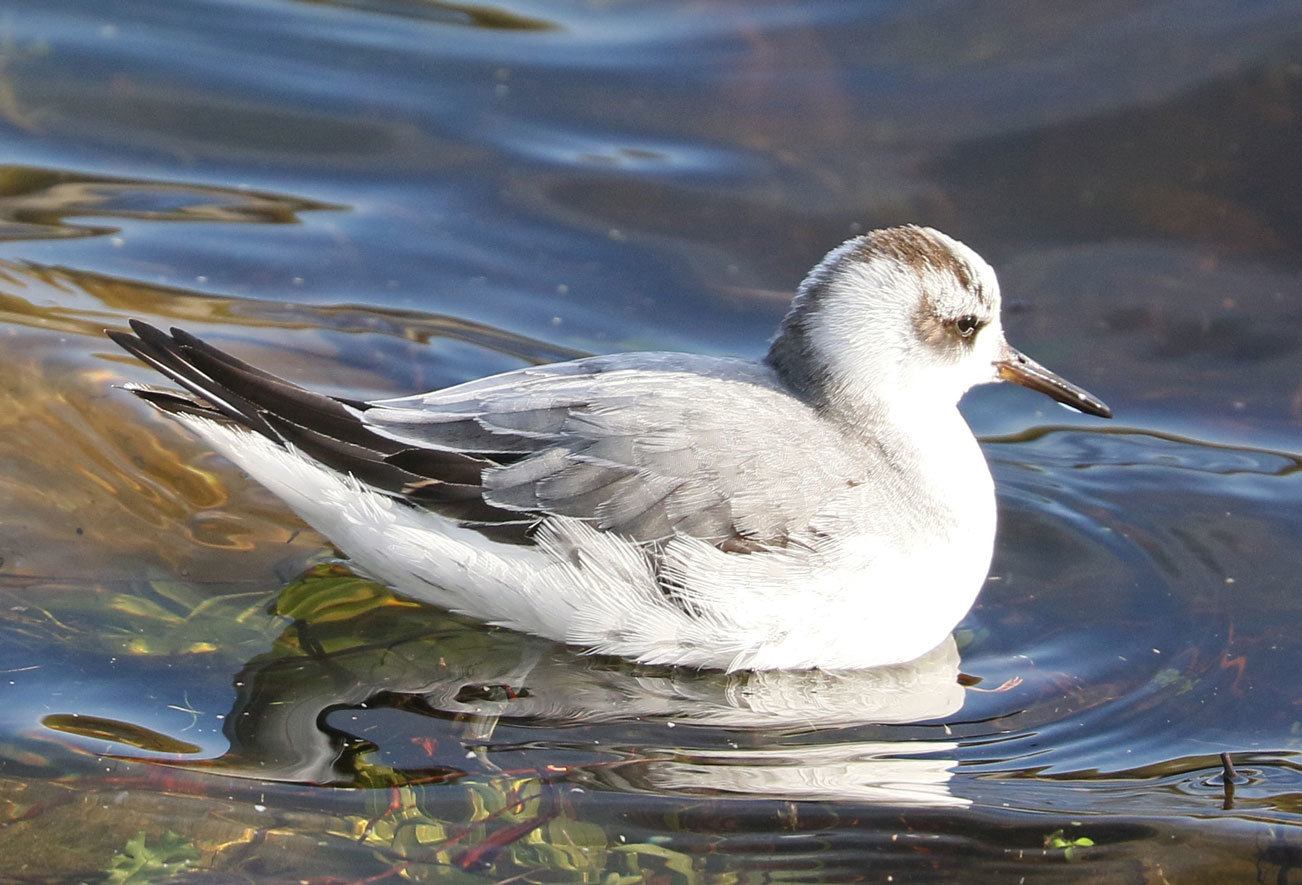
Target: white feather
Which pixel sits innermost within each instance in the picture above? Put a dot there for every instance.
(846, 448)
(833, 601)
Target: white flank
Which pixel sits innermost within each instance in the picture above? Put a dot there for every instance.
(835, 604)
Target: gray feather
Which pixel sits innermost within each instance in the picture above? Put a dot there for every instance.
(646, 445)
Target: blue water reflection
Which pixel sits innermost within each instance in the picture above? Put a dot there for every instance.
(380, 196)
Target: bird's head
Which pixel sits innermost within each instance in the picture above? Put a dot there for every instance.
(904, 318)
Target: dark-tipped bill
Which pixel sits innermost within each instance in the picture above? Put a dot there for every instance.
(1017, 367)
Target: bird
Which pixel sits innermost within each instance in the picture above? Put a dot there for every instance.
(824, 507)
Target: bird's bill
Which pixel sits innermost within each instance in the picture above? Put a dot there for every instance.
(1015, 366)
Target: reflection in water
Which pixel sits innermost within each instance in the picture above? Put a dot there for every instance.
(1213, 164)
(615, 176)
(475, 15)
(294, 714)
(87, 496)
(861, 771)
(36, 203)
(83, 303)
(387, 694)
(119, 732)
(1172, 451)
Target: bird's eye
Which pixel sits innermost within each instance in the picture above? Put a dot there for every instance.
(966, 325)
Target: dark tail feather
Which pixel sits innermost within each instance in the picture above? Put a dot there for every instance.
(460, 501)
(174, 403)
(155, 348)
(278, 409)
(272, 395)
(199, 346)
(223, 387)
(244, 393)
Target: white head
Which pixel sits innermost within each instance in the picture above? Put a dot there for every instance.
(901, 319)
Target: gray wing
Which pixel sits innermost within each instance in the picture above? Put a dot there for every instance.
(646, 445)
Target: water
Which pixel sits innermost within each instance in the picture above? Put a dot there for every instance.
(379, 196)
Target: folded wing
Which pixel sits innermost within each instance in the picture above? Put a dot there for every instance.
(645, 445)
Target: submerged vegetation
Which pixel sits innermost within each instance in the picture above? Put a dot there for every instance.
(383, 196)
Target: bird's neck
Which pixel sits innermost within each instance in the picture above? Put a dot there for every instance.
(859, 394)
(915, 430)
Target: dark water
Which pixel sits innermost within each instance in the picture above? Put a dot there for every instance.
(379, 196)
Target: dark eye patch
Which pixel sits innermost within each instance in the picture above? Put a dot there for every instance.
(967, 325)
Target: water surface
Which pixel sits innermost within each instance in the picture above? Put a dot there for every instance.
(379, 197)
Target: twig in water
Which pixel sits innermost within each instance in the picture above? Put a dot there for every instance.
(1228, 776)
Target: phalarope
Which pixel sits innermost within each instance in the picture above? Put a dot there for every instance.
(826, 507)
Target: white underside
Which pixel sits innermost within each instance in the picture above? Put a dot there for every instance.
(835, 604)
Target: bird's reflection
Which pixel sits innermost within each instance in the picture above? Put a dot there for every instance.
(338, 701)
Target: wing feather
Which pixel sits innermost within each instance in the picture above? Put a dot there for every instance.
(646, 445)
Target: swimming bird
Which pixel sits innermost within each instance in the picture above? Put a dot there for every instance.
(826, 507)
